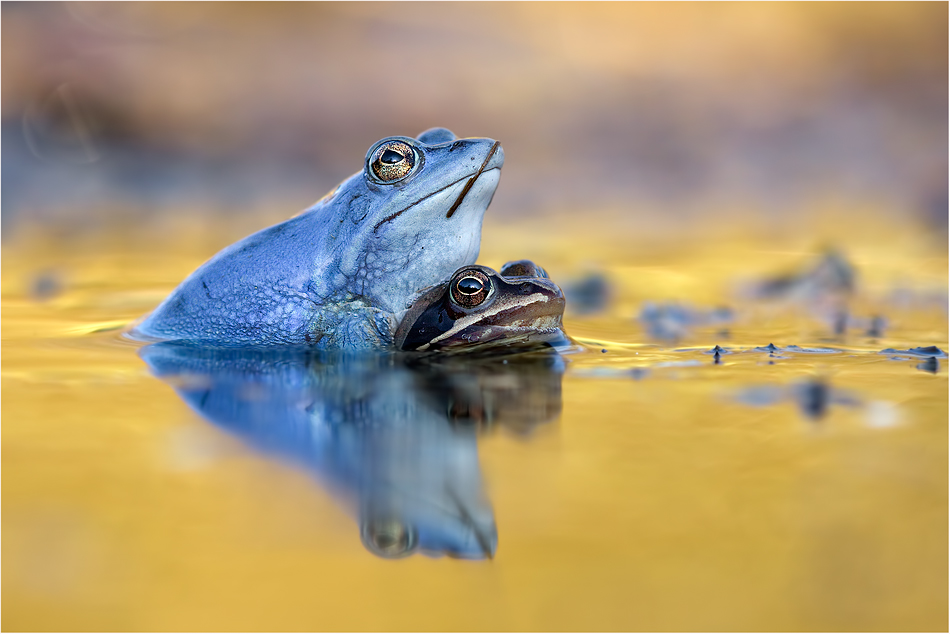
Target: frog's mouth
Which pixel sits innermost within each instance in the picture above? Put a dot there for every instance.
(471, 181)
(458, 201)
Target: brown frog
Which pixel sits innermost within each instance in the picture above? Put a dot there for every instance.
(479, 308)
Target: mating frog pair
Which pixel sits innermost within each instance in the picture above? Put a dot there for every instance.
(345, 274)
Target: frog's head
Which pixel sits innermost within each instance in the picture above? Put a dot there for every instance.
(479, 308)
(417, 208)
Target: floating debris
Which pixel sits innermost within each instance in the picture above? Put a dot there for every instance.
(928, 351)
(717, 353)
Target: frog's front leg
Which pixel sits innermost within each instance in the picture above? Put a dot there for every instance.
(350, 326)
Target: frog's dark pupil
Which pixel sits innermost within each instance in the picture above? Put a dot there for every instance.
(389, 157)
(470, 285)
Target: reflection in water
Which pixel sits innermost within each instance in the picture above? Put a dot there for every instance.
(394, 437)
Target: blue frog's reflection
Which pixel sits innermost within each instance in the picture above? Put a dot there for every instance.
(393, 437)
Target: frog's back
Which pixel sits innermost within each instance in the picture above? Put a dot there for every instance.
(256, 291)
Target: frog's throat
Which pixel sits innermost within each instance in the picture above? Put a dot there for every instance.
(396, 214)
(472, 180)
(458, 201)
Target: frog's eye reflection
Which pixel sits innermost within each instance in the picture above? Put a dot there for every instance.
(470, 285)
(388, 157)
(471, 288)
(393, 161)
(389, 538)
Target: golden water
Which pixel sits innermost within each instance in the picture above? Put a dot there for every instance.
(663, 503)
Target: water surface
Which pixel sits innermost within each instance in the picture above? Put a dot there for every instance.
(632, 482)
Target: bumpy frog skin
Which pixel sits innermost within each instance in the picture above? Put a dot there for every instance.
(479, 309)
(340, 275)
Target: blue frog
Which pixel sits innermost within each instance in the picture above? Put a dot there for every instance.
(341, 275)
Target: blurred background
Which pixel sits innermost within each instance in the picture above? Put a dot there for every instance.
(670, 112)
(733, 174)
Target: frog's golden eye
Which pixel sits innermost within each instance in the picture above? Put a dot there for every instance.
(470, 288)
(388, 537)
(393, 161)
